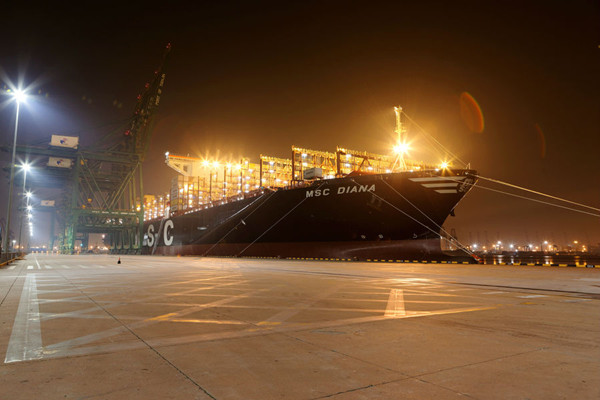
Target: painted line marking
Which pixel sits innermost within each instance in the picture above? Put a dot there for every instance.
(26, 338)
(30, 267)
(12, 267)
(285, 315)
(531, 296)
(47, 267)
(395, 305)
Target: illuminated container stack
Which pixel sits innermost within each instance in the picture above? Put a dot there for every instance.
(156, 206)
(275, 172)
(203, 183)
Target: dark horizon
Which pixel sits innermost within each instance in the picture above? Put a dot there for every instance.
(246, 79)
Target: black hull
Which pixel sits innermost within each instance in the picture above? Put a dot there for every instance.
(390, 216)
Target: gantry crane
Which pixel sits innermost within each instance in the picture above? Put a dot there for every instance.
(102, 185)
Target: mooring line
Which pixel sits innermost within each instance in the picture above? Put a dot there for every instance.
(242, 222)
(536, 192)
(529, 198)
(279, 220)
(414, 219)
(462, 246)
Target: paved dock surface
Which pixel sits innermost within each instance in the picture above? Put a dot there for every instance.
(85, 327)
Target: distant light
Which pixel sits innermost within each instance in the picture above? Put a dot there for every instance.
(19, 95)
(26, 167)
(444, 165)
(167, 154)
(28, 194)
(401, 148)
(29, 208)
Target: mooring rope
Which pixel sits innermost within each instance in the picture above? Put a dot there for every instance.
(430, 137)
(460, 245)
(278, 221)
(536, 192)
(242, 222)
(477, 185)
(417, 221)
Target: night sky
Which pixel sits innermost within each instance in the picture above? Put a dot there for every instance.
(250, 78)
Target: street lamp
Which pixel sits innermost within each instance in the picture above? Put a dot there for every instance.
(25, 168)
(19, 96)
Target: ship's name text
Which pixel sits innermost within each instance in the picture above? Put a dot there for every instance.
(340, 190)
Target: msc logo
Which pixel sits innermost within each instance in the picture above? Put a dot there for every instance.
(167, 234)
(341, 190)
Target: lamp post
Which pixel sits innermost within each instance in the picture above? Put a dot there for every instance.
(19, 96)
(24, 167)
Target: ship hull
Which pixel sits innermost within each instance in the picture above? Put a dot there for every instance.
(389, 216)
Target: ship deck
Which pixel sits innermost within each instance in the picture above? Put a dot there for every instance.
(227, 328)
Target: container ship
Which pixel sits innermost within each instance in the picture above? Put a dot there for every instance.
(345, 205)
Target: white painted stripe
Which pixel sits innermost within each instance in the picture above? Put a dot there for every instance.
(84, 266)
(447, 191)
(26, 338)
(532, 296)
(438, 178)
(395, 305)
(12, 267)
(30, 267)
(434, 185)
(47, 267)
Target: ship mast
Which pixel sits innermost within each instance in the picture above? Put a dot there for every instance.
(401, 146)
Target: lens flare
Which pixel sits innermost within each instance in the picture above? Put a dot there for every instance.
(541, 138)
(470, 112)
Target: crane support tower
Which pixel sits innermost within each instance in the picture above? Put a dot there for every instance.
(102, 187)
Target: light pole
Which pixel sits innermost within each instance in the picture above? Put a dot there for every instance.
(19, 96)
(24, 167)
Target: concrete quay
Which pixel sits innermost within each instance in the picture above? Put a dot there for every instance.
(85, 327)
